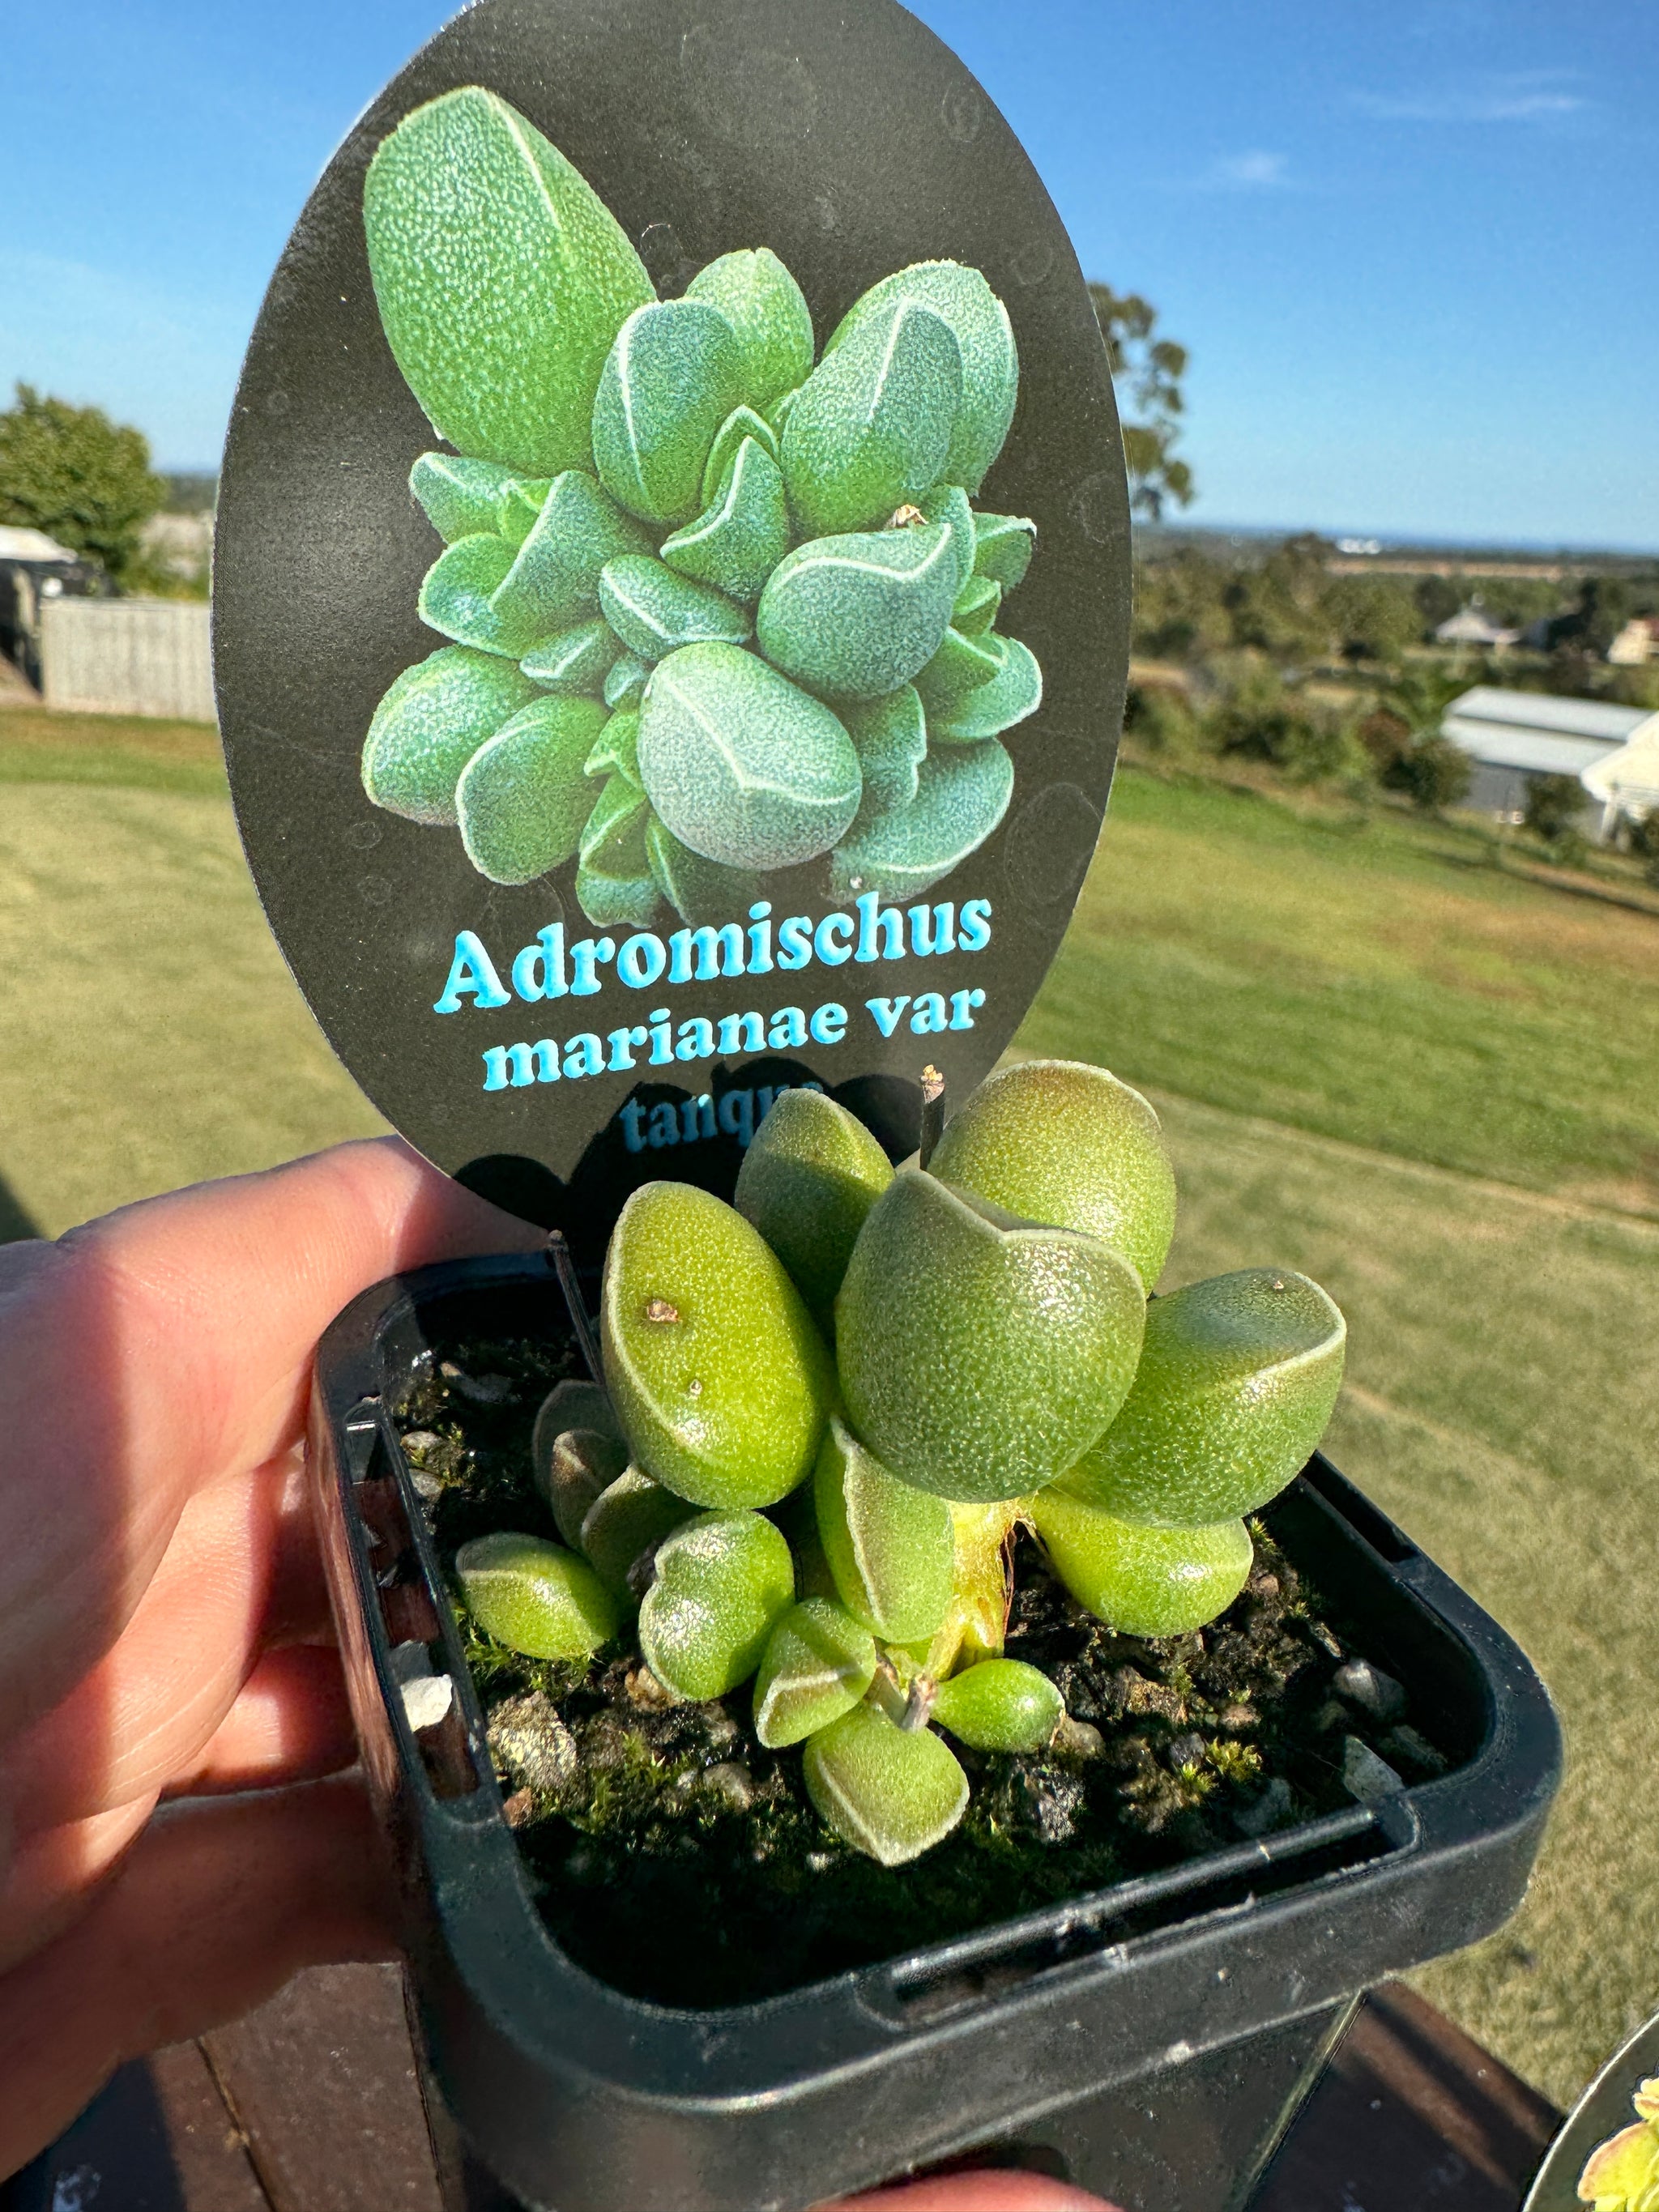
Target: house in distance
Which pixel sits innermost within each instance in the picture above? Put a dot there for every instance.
(1513, 736)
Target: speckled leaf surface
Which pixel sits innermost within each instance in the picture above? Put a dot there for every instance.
(501, 279)
(817, 1664)
(890, 1546)
(671, 379)
(767, 309)
(428, 726)
(854, 616)
(985, 340)
(979, 1355)
(457, 496)
(741, 765)
(576, 661)
(536, 1597)
(741, 537)
(808, 1179)
(554, 580)
(724, 1580)
(1058, 1141)
(1235, 1385)
(962, 794)
(892, 1792)
(654, 611)
(716, 1372)
(870, 427)
(522, 798)
(1013, 696)
(1142, 1580)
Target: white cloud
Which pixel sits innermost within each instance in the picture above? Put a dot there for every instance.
(1253, 171)
(1529, 96)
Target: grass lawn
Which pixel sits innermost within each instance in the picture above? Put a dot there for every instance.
(1370, 978)
(1425, 1083)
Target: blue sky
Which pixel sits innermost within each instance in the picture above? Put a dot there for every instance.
(1409, 242)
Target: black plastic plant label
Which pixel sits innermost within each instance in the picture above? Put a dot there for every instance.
(671, 592)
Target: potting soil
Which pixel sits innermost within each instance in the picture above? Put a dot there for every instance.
(674, 1857)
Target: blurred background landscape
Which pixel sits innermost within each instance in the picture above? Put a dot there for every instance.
(1384, 956)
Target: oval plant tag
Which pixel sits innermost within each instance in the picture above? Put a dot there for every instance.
(671, 592)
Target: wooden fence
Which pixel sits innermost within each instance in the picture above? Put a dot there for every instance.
(127, 657)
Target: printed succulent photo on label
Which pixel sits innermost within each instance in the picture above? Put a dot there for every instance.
(782, 540)
(671, 588)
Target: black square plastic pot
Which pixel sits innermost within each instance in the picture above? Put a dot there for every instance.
(1151, 2041)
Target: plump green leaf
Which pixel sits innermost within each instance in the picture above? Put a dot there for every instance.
(890, 1547)
(961, 794)
(1058, 1141)
(768, 310)
(698, 890)
(617, 748)
(870, 429)
(718, 1376)
(892, 1793)
(535, 1597)
(614, 881)
(1001, 1704)
(1236, 1383)
(724, 1580)
(817, 1664)
(576, 662)
(430, 723)
(975, 611)
(583, 1410)
(522, 798)
(961, 666)
(554, 581)
(518, 505)
(1142, 1580)
(948, 503)
(854, 618)
(742, 422)
(1003, 547)
(740, 538)
(778, 414)
(1012, 694)
(625, 685)
(980, 1354)
(458, 495)
(570, 1468)
(891, 738)
(654, 611)
(629, 1516)
(810, 1174)
(741, 765)
(672, 377)
(501, 279)
(985, 341)
(457, 591)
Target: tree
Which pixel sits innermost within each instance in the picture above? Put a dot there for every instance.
(1553, 805)
(83, 479)
(1147, 371)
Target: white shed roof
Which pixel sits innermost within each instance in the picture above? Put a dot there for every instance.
(17, 544)
(1542, 711)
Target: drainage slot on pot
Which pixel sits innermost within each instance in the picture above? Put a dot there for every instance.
(410, 1617)
(923, 1992)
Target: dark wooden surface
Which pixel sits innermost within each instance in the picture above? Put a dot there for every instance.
(311, 2104)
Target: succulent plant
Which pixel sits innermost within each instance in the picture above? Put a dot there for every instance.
(839, 1526)
(1622, 2173)
(668, 505)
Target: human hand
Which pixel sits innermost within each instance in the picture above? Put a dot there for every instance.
(164, 1626)
(176, 1835)
(975, 2192)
